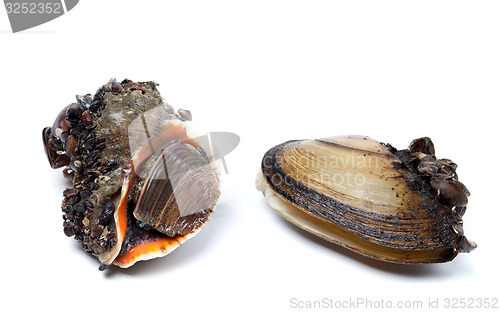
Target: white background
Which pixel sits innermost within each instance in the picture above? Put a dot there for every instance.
(269, 71)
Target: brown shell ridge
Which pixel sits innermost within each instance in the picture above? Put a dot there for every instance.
(344, 215)
(346, 147)
(354, 242)
(273, 167)
(181, 171)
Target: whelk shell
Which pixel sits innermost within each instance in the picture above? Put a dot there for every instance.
(143, 180)
(402, 206)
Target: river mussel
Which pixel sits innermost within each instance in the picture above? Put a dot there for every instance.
(402, 206)
(144, 180)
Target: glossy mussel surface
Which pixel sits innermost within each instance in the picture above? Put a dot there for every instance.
(402, 206)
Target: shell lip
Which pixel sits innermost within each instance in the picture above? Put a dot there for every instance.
(159, 247)
(171, 133)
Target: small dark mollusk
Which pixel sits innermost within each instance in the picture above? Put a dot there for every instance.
(142, 183)
(401, 206)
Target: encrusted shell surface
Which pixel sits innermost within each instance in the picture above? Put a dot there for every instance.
(397, 206)
(133, 161)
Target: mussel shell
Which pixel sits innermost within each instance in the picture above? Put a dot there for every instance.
(363, 195)
(179, 192)
(56, 160)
